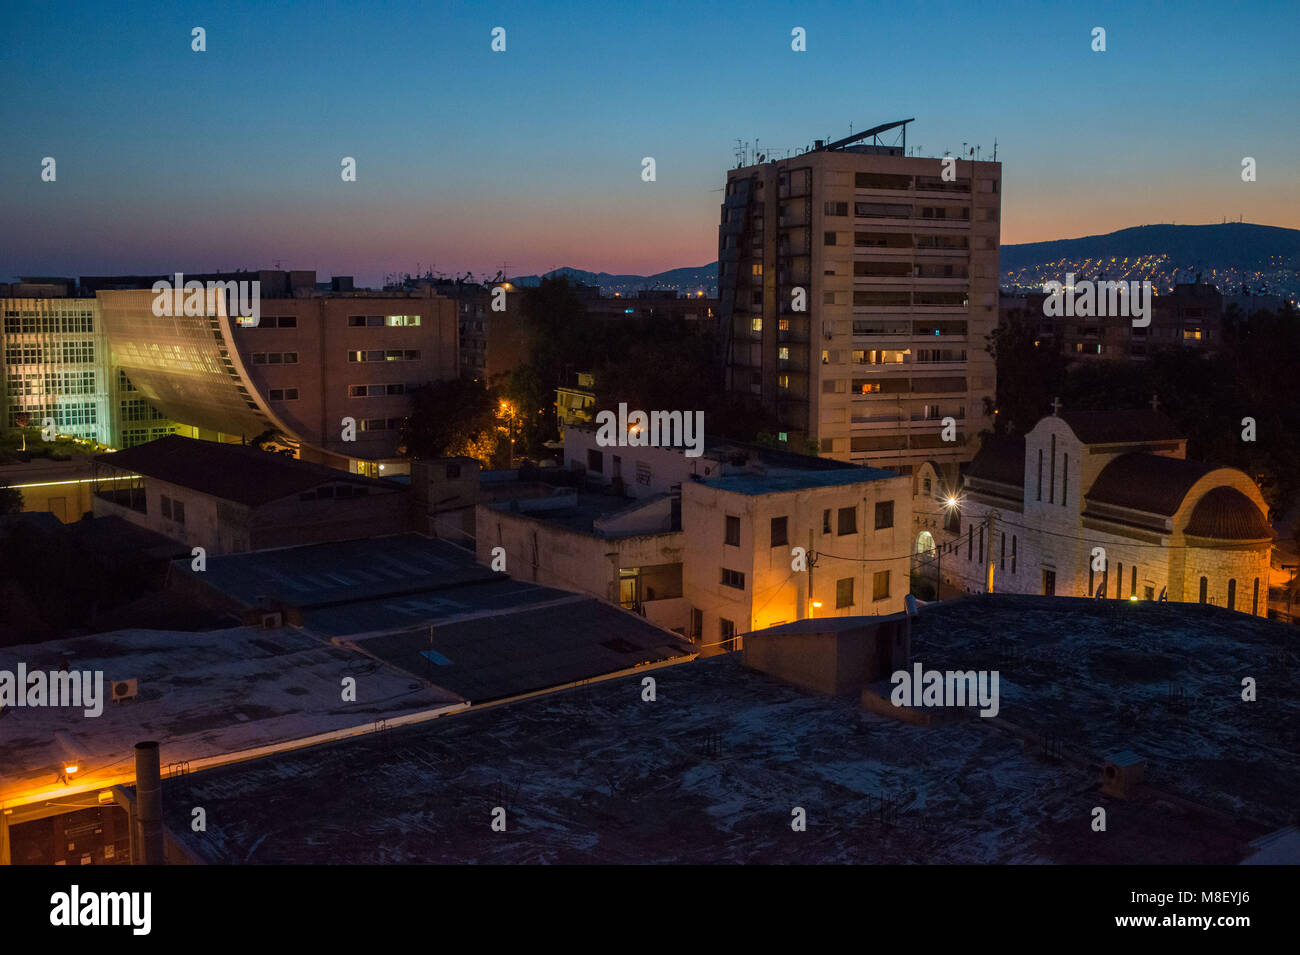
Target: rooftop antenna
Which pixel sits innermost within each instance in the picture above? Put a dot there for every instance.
(995, 149)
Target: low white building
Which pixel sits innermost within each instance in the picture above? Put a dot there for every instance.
(1097, 504)
(738, 539)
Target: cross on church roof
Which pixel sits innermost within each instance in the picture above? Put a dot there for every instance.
(1056, 406)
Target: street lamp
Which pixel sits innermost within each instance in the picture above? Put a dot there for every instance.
(508, 410)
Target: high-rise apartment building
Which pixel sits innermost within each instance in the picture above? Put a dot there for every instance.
(856, 287)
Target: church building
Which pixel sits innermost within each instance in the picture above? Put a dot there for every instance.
(1100, 504)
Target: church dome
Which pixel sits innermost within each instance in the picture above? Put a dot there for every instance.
(1225, 513)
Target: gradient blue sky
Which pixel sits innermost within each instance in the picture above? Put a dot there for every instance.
(468, 158)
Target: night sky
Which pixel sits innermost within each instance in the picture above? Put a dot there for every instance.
(468, 159)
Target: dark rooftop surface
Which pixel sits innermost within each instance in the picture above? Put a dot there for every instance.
(579, 514)
(545, 643)
(711, 770)
(231, 472)
(777, 480)
(1147, 482)
(1161, 680)
(1118, 427)
(341, 571)
(1000, 458)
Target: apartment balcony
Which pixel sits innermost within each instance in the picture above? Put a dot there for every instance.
(883, 252)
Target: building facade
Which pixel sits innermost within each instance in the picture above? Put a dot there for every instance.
(1188, 316)
(229, 499)
(856, 287)
(1097, 504)
(58, 366)
(327, 374)
(714, 546)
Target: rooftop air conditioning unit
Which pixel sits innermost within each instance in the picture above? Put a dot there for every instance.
(272, 621)
(125, 690)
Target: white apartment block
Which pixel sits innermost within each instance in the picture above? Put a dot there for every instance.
(856, 287)
(706, 546)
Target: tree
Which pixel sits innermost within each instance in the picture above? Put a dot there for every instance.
(456, 417)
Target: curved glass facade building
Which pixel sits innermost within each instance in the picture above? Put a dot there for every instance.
(330, 372)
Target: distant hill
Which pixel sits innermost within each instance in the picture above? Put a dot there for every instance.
(1232, 244)
(686, 279)
(1229, 254)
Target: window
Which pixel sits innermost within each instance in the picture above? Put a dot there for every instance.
(287, 321)
(779, 536)
(884, 514)
(595, 461)
(1065, 477)
(981, 547)
(1119, 579)
(284, 394)
(1232, 594)
(826, 521)
(1002, 560)
(1051, 486)
(848, 521)
(733, 578)
(837, 208)
(755, 324)
(259, 358)
(1133, 582)
(403, 321)
(1254, 602)
(356, 391)
(166, 506)
(726, 629)
(732, 531)
(1092, 580)
(1040, 474)
(970, 542)
(880, 585)
(697, 623)
(1013, 553)
(1049, 583)
(1205, 589)
(178, 512)
(291, 358)
(828, 238)
(844, 592)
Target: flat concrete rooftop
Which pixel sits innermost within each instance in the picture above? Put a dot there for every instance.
(1161, 680)
(707, 773)
(200, 695)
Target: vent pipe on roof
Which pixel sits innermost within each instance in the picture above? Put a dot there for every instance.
(148, 843)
